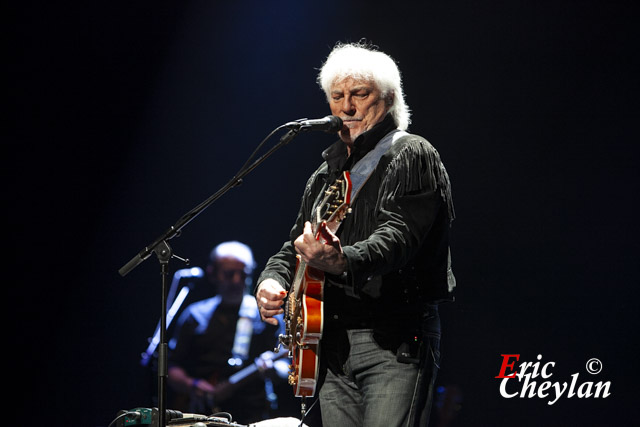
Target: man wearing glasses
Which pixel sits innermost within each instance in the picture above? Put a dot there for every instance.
(218, 337)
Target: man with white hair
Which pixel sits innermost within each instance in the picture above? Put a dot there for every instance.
(388, 265)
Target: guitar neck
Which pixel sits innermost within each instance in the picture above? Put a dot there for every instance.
(302, 266)
(297, 279)
(253, 369)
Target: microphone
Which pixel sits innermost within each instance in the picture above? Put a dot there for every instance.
(326, 124)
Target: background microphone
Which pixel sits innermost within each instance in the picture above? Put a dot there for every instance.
(325, 124)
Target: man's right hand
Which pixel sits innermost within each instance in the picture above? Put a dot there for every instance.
(270, 297)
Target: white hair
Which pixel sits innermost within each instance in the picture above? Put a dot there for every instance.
(237, 250)
(364, 62)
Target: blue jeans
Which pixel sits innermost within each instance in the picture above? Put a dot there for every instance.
(374, 388)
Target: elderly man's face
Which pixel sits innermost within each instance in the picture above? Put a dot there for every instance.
(359, 104)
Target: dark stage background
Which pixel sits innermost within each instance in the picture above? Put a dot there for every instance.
(122, 116)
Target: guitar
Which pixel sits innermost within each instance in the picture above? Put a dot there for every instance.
(226, 389)
(304, 306)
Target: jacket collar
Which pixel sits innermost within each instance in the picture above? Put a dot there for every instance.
(336, 154)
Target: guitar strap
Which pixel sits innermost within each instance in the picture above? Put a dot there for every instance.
(361, 171)
(244, 329)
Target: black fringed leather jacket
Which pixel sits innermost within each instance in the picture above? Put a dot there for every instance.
(396, 239)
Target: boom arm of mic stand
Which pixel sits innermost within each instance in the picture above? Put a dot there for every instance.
(175, 229)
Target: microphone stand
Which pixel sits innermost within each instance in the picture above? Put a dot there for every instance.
(163, 252)
(175, 303)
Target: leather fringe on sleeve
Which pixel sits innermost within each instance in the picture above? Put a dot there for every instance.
(416, 154)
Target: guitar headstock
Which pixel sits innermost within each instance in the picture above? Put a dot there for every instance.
(335, 204)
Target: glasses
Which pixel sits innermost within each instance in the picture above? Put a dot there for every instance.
(231, 274)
